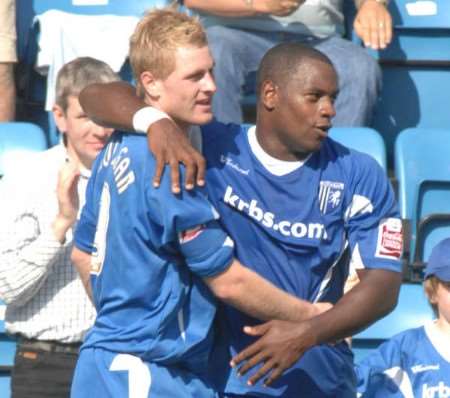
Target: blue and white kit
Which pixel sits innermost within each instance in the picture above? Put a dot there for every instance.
(412, 364)
(153, 333)
(301, 231)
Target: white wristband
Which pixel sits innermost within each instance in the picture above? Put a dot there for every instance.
(145, 117)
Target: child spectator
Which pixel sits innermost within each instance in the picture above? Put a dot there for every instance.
(416, 362)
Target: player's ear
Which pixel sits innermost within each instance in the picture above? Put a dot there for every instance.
(150, 84)
(269, 94)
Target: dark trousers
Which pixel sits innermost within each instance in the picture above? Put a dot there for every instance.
(41, 373)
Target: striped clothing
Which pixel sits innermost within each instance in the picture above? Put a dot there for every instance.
(44, 296)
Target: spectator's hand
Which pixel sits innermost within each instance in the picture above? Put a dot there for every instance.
(280, 8)
(171, 146)
(68, 201)
(281, 344)
(373, 24)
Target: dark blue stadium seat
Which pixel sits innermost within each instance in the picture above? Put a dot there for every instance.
(416, 69)
(362, 139)
(16, 140)
(412, 311)
(422, 168)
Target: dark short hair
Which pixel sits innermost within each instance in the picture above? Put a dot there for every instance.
(282, 61)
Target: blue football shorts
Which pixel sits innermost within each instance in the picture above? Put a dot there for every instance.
(104, 374)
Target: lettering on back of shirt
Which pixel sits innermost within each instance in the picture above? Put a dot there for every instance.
(120, 163)
(268, 219)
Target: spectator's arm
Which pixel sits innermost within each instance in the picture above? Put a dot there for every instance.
(373, 23)
(166, 141)
(244, 8)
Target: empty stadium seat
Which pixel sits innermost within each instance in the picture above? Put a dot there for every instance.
(416, 69)
(412, 311)
(17, 139)
(422, 168)
(362, 139)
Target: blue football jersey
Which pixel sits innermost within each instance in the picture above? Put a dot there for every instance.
(301, 231)
(150, 249)
(409, 365)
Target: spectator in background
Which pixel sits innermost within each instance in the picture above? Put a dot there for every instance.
(416, 362)
(8, 57)
(241, 31)
(47, 308)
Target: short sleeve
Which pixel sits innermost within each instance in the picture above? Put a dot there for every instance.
(188, 222)
(372, 219)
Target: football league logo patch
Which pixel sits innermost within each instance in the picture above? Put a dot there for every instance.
(390, 239)
(330, 195)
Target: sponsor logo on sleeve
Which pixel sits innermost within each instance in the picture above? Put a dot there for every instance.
(390, 239)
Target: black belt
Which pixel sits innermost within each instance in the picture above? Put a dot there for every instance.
(49, 346)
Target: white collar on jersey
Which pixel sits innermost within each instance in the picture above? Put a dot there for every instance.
(274, 166)
(440, 341)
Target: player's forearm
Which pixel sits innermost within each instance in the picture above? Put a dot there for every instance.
(111, 104)
(82, 262)
(374, 297)
(250, 293)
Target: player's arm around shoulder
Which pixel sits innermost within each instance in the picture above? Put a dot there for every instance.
(208, 251)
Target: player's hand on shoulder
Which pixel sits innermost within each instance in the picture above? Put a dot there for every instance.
(280, 345)
(171, 146)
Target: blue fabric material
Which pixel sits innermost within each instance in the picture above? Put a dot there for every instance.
(237, 53)
(150, 249)
(408, 365)
(439, 261)
(104, 374)
(296, 232)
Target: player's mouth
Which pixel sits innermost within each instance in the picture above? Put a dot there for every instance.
(97, 145)
(323, 130)
(205, 103)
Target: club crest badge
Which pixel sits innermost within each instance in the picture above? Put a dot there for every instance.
(330, 195)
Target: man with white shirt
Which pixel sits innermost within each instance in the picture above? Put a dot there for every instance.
(47, 309)
(300, 208)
